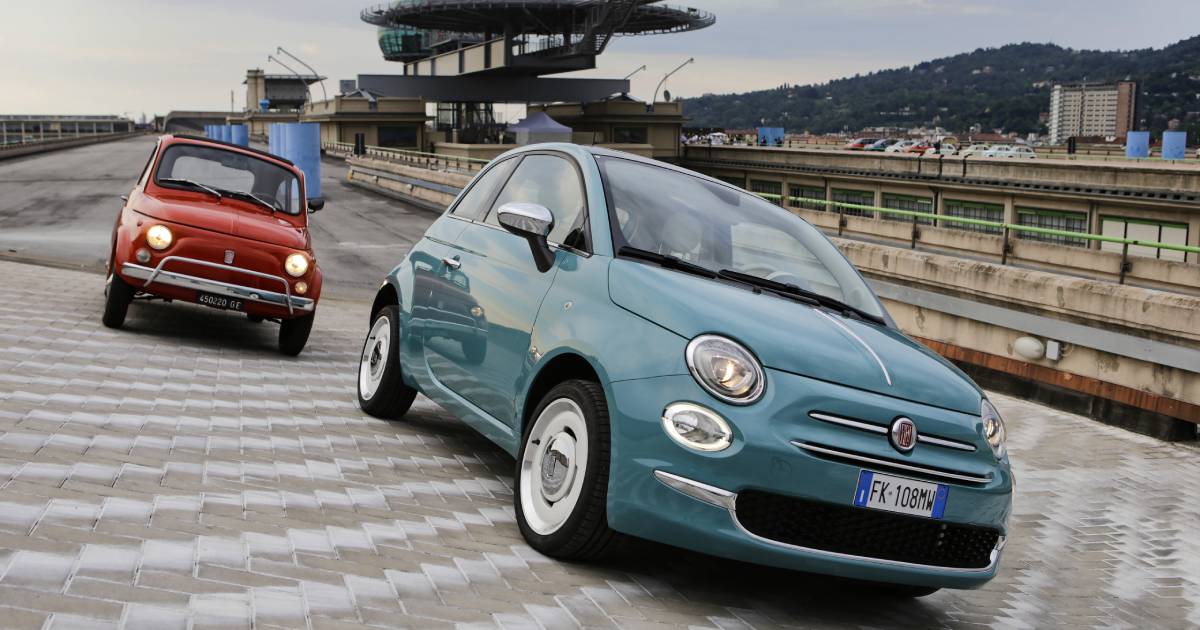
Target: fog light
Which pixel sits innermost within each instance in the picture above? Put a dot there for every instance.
(301, 287)
(142, 255)
(696, 427)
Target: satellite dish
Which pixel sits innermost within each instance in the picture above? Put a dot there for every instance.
(667, 95)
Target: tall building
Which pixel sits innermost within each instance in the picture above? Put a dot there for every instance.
(1092, 110)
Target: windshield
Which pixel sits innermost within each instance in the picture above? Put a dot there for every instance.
(230, 173)
(721, 228)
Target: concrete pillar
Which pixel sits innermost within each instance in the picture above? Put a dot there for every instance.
(22, 132)
(1010, 209)
(878, 201)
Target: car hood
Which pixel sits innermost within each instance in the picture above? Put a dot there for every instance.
(794, 337)
(226, 218)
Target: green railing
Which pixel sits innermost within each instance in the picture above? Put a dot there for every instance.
(1005, 228)
(413, 158)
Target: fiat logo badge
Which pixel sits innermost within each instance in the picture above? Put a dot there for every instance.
(903, 435)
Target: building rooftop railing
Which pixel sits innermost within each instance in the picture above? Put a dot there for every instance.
(421, 159)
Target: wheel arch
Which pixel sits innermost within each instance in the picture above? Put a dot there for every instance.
(387, 295)
(563, 367)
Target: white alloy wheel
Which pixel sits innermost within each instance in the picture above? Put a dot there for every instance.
(374, 358)
(553, 466)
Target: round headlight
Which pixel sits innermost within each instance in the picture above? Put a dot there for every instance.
(993, 429)
(159, 237)
(726, 369)
(696, 427)
(296, 265)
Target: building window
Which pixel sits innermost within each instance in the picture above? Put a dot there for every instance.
(771, 191)
(736, 180)
(910, 203)
(1054, 220)
(974, 210)
(630, 135)
(398, 136)
(856, 197)
(797, 195)
(1143, 230)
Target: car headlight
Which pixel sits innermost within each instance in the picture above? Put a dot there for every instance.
(696, 427)
(296, 265)
(159, 237)
(726, 369)
(993, 429)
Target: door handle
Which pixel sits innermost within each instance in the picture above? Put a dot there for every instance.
(452, 263)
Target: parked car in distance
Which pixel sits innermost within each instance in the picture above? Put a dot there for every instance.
(919, 147)
(859, 144)
(901, 146)
(669, 357)
(974, 149)
(1010, 151)
(946, 149)
(218, 225)
(880, 145)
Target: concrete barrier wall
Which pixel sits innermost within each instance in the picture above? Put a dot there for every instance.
(19, 150)
(432, 189)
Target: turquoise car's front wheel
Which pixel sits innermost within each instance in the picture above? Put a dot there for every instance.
(562, 473)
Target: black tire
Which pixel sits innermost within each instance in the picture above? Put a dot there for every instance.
(475, 350)
(392, 398)
(255, 319)
(585, 534)
(293, 334)
(116, 301)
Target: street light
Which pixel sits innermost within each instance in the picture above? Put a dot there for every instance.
(634, 72)
(279, 49)
(667, 76)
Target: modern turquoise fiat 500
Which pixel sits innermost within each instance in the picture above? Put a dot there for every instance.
(672, 358)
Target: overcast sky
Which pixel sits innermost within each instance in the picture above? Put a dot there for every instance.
(126, 56)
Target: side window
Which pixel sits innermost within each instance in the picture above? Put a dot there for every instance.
(474, 203)
(550, 181)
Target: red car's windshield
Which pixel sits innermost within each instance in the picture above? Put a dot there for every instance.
(231, 173)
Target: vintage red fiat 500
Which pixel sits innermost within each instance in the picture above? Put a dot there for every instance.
(219, 225)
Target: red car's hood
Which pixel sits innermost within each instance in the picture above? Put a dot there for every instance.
(227, 217)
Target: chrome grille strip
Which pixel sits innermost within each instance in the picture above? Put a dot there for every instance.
(882, 430)
(885, 463)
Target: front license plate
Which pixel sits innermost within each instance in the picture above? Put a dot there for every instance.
(221, 301)
(897, 494)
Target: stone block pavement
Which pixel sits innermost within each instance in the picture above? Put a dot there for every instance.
(181, 474)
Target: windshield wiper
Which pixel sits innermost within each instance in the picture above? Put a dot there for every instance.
(252, 197)
(197, 185)
(793, 291)
(669, 262)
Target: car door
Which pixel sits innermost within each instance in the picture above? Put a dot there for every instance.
(493, 290)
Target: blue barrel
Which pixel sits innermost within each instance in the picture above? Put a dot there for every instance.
(239, 135)
(208, 130)
(263, 104)
(226, 133)
(302, 145)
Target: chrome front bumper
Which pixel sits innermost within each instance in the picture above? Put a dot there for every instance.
(216, 287)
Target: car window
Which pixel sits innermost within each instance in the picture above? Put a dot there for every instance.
(475, 202)
(146, 168)
(553, 182)
(230, 172)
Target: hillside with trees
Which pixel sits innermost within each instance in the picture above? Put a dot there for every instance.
(997, 88)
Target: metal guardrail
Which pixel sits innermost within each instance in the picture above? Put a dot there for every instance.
(1006, 228)
(413, 158)
(56, 140)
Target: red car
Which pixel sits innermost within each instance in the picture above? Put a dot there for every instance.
(219, 225)
(859, 144)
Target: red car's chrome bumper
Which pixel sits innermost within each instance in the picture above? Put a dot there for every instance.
(159, 275)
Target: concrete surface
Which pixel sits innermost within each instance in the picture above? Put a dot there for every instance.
(60, 208)
(181, 472)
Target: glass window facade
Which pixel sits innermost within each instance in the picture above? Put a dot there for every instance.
(1145, 230)
(797, 195)
(857, 197)
(1054, 220)
(771, 191)
(974, 210)
(907, 202)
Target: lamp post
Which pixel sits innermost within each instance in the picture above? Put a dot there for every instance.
(635, 72)
(667, 76)
(279, 49)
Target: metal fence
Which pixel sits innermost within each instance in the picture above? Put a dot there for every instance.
(420, 159)
(1006, 229)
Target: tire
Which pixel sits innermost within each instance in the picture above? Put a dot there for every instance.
(117, 297)
(567, 520)
(381, 389)
(475, 350)
(255, 319)
(293, 334)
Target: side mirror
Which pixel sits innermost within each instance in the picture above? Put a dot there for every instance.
(125, 198)
(315, 204)
(532, 222)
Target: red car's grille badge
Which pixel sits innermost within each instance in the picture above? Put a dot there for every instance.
(229, 257)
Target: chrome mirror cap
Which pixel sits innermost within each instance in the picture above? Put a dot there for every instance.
(526, 219)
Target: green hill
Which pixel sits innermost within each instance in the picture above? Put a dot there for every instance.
(997, 88)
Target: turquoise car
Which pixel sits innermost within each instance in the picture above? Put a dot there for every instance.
(672, 358)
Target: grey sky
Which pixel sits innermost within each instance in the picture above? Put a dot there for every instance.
(126, 56)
